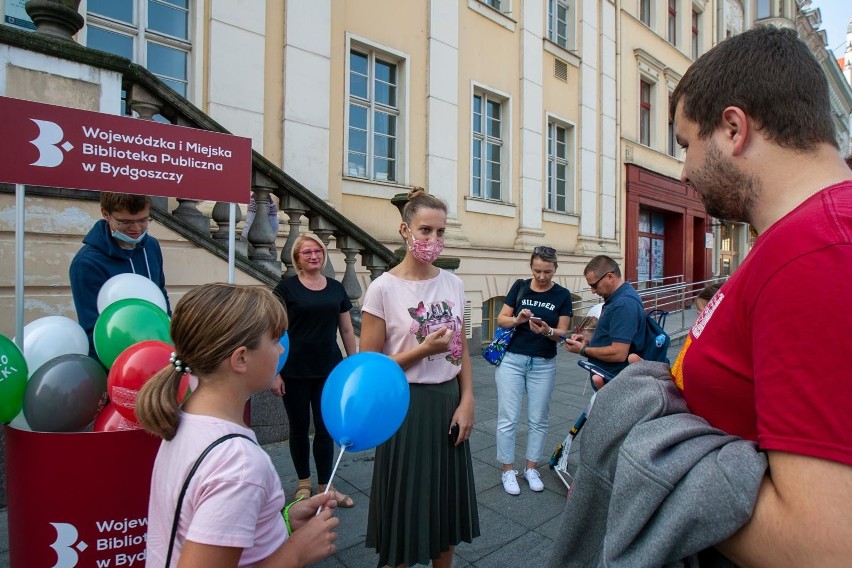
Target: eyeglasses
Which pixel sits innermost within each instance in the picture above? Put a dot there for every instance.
(598, 281)
(311, 252)
(127, 223)
(546, 251)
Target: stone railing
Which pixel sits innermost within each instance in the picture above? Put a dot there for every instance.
(148, 98)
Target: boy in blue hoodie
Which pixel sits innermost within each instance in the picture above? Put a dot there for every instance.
(117, 244)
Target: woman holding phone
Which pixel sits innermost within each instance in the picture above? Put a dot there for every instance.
(542, 315)
(423, 497)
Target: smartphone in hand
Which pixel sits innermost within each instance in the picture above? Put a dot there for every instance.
(535, 319)
(454, 434)
(595, 370)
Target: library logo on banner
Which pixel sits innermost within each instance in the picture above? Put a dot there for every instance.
(67, 545)
(47, 142)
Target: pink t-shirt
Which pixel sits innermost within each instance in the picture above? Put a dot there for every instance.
(234, 498)
(412, 309)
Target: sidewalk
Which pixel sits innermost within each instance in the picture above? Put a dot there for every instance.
(515, 530)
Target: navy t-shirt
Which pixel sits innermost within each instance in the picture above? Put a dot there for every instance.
(313, 316)
(549, 306)
(622, 321)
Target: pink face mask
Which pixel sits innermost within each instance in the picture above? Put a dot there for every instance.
(425, 250)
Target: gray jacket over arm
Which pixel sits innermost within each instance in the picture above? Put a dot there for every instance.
(655, 485)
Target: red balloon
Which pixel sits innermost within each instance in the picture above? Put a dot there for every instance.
(109, 420)
(131, 369)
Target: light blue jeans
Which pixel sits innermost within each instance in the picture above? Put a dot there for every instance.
(515, 375)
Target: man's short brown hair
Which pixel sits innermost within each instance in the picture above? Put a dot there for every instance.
(111, 202)
(772, 76)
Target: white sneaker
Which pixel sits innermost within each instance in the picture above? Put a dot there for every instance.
(510, 482)
(534, 479)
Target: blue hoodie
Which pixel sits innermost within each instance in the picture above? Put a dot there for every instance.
(99, 260)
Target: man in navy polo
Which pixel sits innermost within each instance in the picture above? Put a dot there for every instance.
(621, 327)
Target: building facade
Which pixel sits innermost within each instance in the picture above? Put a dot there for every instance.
(539, 122)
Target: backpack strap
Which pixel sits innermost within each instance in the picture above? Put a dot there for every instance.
(186, 487)
(524, 285)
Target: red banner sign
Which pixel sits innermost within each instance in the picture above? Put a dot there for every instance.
(63, 147)
(80, 499)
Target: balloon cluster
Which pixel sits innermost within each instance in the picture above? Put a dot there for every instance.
(54, 386)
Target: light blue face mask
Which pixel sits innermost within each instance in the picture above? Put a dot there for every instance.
(118, 235)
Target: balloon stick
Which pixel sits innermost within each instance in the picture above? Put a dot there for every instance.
(333, 471)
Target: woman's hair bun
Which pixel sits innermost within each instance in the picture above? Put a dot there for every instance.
(416, 192)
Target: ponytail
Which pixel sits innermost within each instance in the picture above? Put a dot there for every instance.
(157, 403)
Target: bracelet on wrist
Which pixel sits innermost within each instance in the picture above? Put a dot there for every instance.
(550, 332)
(286, 514)
(583, 351)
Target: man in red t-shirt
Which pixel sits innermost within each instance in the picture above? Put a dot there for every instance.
(754, 117)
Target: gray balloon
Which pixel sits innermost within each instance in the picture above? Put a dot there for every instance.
(63, 394)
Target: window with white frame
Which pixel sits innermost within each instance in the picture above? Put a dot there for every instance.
(646, 90)
(560, 28)
(560, 175)
(152, 33)
(671, 141)
(672, 22)
(487, 157)
(696, 34)
(496, 4)
(374, 115)
(645, 12)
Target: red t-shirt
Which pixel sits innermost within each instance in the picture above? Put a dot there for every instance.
(770, 358)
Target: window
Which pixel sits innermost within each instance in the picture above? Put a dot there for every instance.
(490, 310)
(496, 4)
(152, 33)
(560, 186)
(645, 89)
(696, 37)
(487, 151)
(559, 28)
(645, 12)
(672, 141)
(763, 9)
(652, 246)
(673, 22)
(373, 117)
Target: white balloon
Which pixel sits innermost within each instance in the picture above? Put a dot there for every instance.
(129, 285)
(49, 337)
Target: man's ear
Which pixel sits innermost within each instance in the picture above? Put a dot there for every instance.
(238, 360)
(105, 214)
(736, 128)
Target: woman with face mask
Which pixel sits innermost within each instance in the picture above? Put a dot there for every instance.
(423, 500)
(529, 366)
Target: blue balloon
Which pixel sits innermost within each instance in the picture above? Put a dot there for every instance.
(364, 401)
(285, 343)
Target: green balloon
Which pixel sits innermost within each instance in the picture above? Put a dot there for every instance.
(13, 379)
(125, 323)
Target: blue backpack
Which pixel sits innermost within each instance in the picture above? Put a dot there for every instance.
(656, 341)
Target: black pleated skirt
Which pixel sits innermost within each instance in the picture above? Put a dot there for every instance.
(423, 498)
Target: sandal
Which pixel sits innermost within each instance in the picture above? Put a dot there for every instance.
(344, 501)
(303, 491)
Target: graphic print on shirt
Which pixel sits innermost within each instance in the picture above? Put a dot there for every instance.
(695, 332)
(431, 318)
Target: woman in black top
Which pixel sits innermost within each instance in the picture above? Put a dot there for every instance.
(529, 366)
(317, 308)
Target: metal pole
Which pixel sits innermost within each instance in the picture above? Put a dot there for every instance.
(19, 265)
(232, 241)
